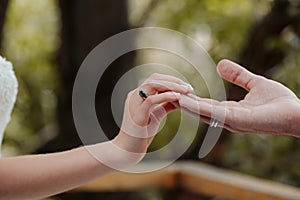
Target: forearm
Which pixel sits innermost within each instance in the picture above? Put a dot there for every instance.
(295, 120)
(37, 176)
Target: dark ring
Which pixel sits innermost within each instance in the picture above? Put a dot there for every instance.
(143, 94)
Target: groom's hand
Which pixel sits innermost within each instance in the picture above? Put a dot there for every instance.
(269, 107)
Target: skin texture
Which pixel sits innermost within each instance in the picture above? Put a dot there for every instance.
(39, 176)
(268, 107)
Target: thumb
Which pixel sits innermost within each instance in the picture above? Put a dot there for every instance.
(162, 110)
(236, 74)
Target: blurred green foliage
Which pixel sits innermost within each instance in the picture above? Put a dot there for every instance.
(30, 43)
(31, 40)
(225, 23)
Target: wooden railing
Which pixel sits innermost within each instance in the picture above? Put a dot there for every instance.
(197, 178)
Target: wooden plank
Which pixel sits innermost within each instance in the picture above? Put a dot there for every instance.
(119, 181)
(198, 178)
(207, 180)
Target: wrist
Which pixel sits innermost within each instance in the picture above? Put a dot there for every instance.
(113, 156)
(295, 119)
(130, 143)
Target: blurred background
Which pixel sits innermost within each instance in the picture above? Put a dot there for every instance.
(47, 40)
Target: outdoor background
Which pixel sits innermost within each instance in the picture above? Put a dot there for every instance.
(47, 40)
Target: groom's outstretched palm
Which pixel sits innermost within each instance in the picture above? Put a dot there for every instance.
(269, 107)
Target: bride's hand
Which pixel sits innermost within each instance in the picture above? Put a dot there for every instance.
(142, 116)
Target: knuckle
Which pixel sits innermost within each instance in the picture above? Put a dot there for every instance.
(149, 101)
(150, 84)
(236, 75)
(130, 93)
(155, 75)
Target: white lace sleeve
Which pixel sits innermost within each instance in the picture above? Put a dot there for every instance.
(8, 93)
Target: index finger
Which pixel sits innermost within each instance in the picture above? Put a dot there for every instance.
(164, 77)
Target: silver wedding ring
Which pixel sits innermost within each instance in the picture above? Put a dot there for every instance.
(143, 94)
(213, 123)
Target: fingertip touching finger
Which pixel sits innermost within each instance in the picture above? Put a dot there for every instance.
(157, 99)
(159, 86)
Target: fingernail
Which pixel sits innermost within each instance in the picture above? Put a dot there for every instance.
(188, 86)
(176, 94)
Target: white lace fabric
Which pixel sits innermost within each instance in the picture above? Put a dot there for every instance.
(8, 94)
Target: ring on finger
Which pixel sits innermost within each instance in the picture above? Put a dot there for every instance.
(143, 94)
(213, 123)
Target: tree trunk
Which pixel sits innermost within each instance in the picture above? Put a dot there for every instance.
(3, 8)
(259, 55)
(85, 24)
